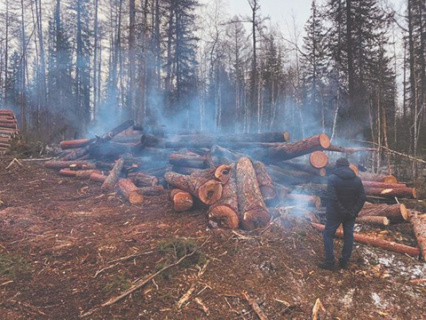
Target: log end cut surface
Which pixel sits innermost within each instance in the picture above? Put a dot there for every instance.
(318, 159)
(224, 216)
(210, 192)
(324, 140)
(182, 200)
(254, 219)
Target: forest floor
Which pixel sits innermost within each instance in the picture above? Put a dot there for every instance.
(66, 248)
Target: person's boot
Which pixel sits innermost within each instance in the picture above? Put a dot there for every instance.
(343, 264)
(326, 266)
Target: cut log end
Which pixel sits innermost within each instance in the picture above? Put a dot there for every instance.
(210, 192)
(286, 136)
(182, 200)
(404, 212)
(135, 197)
(390, 179)
(324, 140)
(322, 172)
(223, 173)
(223, 216)
(318, 159)
(254, 219)
(354, 168)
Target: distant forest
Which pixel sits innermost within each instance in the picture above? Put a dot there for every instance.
(71, 67)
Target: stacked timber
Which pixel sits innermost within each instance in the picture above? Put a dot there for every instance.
(243, 180)
(8, 129)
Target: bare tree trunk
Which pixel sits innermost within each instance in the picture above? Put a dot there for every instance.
(95, 62)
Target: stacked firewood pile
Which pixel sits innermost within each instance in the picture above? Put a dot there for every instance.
(8, 129)
(245, 180)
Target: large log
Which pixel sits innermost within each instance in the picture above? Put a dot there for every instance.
(318, 159)
(200, 184)
(72, 144)
(113, 176)
(375, 184)
(298, 166)
(208, 140)
(152, 191)
(376, 242)
(266, 184)
(185, 170)
(375, 220)
(419, 227)
(142, 179)
(107, 149)
(9, 125)
(368, 176)
(394, 212)
(83, 174)
(350, 149)
(400, 192)
(98, 177)
(188, 159)
(182, 200)
(223, 173)
(129, 191)
(291, 176)
(285, 151)
(75, 154)
(224, 213)
(251, 207)
(303, 200)
(80, 164)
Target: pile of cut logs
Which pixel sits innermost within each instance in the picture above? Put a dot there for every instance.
(8, 129)
(243, 179)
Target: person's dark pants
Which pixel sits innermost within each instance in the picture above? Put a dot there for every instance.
(348, 239)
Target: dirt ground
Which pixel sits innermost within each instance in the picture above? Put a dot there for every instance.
(66, 248)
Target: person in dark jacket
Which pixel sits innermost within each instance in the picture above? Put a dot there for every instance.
(346, 197)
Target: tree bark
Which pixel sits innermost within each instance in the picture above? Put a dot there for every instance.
(71, 144)
(80, 164)
(182, 200)
(375, 184)
(98, 177)
(367, 176)
(113, 176)
(142, 179)
(129, 191)
(375, 220)
(251, 207)
(266, 184)
(200, 184)
(395, 212)
(84, 174)
(376, 242)
(400, 192)
(224, 213)
(419, 227)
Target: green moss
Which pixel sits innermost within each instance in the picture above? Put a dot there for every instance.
(13, 267)
(180, 247)
(117, 283)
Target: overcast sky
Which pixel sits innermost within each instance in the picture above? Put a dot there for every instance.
(284, 12)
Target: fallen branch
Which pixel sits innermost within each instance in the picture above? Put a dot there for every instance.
(187, 295)
(140, 283)
(316, 309)
(255, 307)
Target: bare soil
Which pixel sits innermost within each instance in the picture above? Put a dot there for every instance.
(66, 248)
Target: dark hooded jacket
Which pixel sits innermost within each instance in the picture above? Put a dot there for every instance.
(345, 193)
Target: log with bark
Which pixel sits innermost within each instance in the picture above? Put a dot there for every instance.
(185, 170)
(113, 176)
(292, 176)
(395, 212)
(377, 177)
(152, 191)
(98, 177)
(251, 207)
(268, 152)
(419, 228)
(303, 200)
(75, 154)
(83, 174)
(208, 140)
(374, 220)
(57, 164)
(351, 149)
(399, 192)
(182, 200)
(375, 184)
(224, 213)
(223, 173)
(266, 184)
(107, 149)
(188, 159)
(72, 144)
(376, 242)
(201, 184)
(129, 191)
(142, 179)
